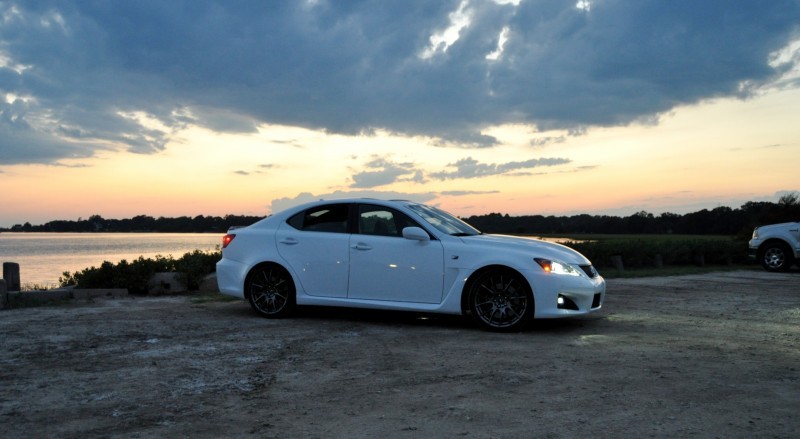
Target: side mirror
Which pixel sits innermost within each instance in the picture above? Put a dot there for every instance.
(416, 234)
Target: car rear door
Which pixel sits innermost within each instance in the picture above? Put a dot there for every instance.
(315, 243)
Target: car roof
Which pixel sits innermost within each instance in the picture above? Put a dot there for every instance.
(321, 202)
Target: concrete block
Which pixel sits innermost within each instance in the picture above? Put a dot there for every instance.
(11, 276)
(616, 262)
(658, 261)
(3, 294)
(17, 299)
(209, 284)
(166, 283)
(33, 298)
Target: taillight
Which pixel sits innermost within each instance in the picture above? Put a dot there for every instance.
(227, 239)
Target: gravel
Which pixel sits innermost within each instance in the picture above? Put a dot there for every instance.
(713, 355)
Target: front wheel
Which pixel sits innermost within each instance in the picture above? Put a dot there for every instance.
(271, 291)
(776, 256)
(500, 300)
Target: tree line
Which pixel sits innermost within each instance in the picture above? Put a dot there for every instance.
(718, 221)
(142, 223)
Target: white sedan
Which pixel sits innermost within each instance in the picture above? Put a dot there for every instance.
(401, 255)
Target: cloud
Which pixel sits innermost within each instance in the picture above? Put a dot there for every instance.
(71, 70)
(386, 172)
(755, 148)
(471, 168)
(544, 141)
(464, 193)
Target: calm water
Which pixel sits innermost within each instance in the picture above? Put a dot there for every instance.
(43, 257)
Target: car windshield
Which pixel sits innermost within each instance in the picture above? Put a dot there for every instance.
(443, 221)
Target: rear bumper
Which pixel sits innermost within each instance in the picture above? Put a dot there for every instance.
(230, 277)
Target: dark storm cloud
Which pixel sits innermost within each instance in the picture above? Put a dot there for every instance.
(71, 70)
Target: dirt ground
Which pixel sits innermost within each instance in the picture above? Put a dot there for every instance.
(715, 355)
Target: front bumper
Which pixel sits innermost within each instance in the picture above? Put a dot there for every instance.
(566, 296)
(752, 249)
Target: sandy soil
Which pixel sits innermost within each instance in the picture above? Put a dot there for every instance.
(714, 355)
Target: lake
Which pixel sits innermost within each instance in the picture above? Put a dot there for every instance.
(43, 257)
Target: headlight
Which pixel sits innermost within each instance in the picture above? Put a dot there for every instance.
(755, 233)
(555, 267)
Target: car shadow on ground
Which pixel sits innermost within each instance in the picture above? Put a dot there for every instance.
(423, 320)
(381, 317)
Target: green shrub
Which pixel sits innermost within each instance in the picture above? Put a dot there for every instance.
(638, 252)
(194, 266)
(135, 275)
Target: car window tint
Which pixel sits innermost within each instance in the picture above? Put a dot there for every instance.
(382, 221)
(328, 218)
(443, 221)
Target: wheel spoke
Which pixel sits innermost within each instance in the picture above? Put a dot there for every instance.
(494, 312)
(512, 310)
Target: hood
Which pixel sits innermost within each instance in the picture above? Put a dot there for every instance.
(535, 247)
(778, 226)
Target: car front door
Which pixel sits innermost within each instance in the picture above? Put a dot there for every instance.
(386, 266)
(315, 243)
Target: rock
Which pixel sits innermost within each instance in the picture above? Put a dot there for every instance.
(166, 283)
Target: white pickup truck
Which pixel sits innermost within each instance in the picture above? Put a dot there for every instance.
(776, 246)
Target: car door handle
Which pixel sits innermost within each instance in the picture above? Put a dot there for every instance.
(288, 241)
(361, 246)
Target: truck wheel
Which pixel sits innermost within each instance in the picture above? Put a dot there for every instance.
(775, 256)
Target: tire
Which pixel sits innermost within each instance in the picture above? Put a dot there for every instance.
(775, 256)
(500, 300)
(270, 291)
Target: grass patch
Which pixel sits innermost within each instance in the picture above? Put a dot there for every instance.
(610, 252)
(611, 273)
(583, 237)
(644, 255)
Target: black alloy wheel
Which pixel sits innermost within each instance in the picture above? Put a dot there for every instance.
(271, 291)
(501, 300)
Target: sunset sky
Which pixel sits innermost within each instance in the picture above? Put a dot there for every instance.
(211, 107)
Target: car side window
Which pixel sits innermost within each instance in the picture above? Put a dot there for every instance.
(330, 218)
(382, 221)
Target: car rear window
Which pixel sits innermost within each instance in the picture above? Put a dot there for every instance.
(329, 218)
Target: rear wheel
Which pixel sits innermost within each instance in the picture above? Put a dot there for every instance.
(501, 300)
(271, 291)
(776, 256)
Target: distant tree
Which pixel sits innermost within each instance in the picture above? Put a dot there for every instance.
(789, 199)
